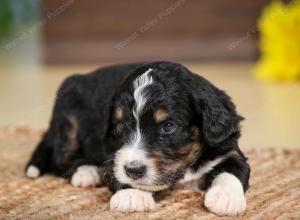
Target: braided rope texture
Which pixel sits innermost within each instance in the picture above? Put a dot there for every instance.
(274, 188)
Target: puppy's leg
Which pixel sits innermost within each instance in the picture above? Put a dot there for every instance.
(90, 172)
(226, 185)
(40, 161)
(73, 164)
(131, 200)
(70, 157)
(86, 176)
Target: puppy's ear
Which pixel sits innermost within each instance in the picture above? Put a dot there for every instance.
(216, 114)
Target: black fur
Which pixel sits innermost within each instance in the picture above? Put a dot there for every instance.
(191, 100)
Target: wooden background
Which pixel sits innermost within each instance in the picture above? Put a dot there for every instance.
(89, 31)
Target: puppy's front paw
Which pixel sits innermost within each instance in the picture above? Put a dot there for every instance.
(226, 197)
(86, 176)
(130, 200)
(32, 171)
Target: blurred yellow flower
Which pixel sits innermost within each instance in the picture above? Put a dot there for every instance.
(279, 28)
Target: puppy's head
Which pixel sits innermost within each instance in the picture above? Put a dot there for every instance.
(161, 119)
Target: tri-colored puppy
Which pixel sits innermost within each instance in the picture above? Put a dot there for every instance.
(141, 128)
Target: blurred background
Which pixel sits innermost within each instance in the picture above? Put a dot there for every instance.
(249, 48)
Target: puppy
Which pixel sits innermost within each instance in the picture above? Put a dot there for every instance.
(141, 128)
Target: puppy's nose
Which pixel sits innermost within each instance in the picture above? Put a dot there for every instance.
(135, 170)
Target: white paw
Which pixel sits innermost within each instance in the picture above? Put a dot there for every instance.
(226, 196)
(130, 200)
(86, 176)
(32, 171)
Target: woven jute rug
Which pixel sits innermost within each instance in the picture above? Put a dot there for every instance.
(274, 189)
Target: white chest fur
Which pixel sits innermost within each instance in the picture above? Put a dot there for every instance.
(191, 175)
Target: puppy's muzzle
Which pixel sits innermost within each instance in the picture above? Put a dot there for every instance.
(135, 170)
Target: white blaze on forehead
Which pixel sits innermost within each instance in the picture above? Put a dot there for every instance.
(140, 99)
(139, 85)
(133, 149)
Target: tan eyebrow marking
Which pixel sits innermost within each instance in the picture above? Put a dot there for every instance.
(119, 113)
(160, 115)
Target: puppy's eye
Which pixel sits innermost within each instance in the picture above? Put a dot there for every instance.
(168, 127)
